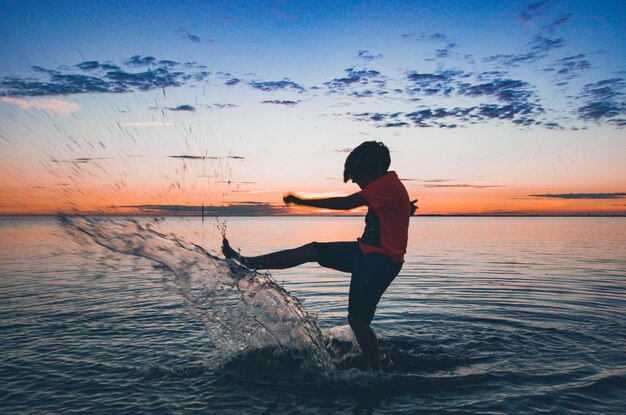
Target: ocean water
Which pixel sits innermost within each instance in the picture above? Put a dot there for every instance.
(488, 315)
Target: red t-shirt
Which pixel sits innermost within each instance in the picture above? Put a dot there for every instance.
(387, 221)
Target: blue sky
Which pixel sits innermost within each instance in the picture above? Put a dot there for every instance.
(520, 98)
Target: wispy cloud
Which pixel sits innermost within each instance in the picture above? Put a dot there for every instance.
(436, 83)
(272, 86)
(220, 106)
(497, 98)
(543, 41)
(140, 61)
(195, 157)
(80, 160)
(185, 34)
(367, 56)
(568, 68)
(353, 78)
(56, 106)
(447, 51)
(233, 81)
(539, 46)
(143, 73)
(286, 103)
(193, 38)
(532, 10)
(560, 21)
(185, 107)
(470, 186)
(604, 100)
(426, 37)
(504, 90)
(598, 196)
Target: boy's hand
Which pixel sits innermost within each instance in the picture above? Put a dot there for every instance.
(414, 207)
(290, 198)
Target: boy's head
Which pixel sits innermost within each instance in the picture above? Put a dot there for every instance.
(369, 160)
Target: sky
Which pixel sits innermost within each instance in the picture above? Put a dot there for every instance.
(488, 107)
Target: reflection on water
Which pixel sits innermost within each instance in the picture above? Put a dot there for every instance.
(488, 315)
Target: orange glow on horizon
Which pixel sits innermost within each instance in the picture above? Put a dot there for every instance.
(108, 200)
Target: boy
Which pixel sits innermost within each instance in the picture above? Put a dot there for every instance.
(374, 259)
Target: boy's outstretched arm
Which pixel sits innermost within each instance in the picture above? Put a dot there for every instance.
(334, 203)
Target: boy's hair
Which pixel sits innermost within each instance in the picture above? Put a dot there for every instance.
(370, 158)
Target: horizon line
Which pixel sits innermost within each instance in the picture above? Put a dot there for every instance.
(504, 214)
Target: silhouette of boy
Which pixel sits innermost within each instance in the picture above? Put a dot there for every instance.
(375, 259)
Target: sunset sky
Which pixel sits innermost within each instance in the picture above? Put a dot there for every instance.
(161, 107)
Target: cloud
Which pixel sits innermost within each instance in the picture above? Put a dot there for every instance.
(233, 209)
(367, 56)
(427, 180)
(437, 83)
(56, 106)
(193, 38)
(184, 34)
(447, 51)
(568, 68)
(182, 108)
(520, 113)
(95, 77)
(273, 86)
(532, 11)
(426, 37)
(233, 81)
(438, 117)
(222, 106)
(138, 60)
(505, 90)
(353, 78)
(595, 196)
(193, 157)
(398, 124)
(281, 102)
(168, 63)
(470, 186)
(497, 98)
(604, 100)
(540, 46)
(95, 65)
(556, 23)
(80, 160)
(490, 75)
(542, 42)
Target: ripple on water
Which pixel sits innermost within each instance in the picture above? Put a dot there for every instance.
(495, 327)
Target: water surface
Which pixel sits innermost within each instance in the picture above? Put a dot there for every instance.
(488, 315)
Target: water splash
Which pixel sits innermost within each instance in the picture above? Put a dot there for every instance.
(245, 313)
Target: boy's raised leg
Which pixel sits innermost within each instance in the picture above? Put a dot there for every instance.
(277, 260)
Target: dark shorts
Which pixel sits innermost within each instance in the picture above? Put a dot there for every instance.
(371, 274)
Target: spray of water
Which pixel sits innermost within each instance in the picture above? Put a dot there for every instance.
(245, 313)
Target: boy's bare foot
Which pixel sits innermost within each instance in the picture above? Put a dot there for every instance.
(228, 251)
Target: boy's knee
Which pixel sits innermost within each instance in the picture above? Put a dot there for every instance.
(311, 250)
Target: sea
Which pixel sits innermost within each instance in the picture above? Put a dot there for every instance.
(489, 315)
